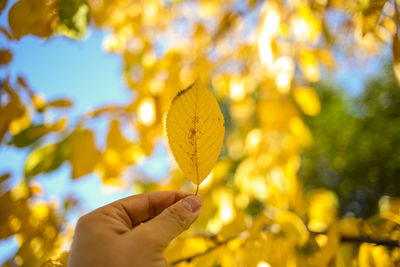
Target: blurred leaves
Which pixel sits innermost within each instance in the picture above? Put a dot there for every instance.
(5, 57)
(46, 159)
(34, 225)
(3, 4)
(23, 21)
(34, 132)
(73, 17)
(264, 62)
(84, 153)
(70, 17)
(60, 103)
(12, 110)
(371, 13)
(371, 255)
(119, 153)
(292, 226)
(322, 210)
(4, 177)
(308, 100)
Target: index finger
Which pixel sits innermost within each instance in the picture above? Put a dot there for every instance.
(143, 207)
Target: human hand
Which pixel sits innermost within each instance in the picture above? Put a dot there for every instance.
(133, 231)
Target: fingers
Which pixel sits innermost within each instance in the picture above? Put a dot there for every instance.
(140, 208)
(175, 219)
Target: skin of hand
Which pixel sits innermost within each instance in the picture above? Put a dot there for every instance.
(133, 231)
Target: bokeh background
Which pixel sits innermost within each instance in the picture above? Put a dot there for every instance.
(309, 171)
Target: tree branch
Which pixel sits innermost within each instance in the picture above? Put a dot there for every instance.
(365, 239)
(372, 240)
(357, 239)
(217, 245)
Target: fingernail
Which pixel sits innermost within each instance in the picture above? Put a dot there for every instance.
(191, 203)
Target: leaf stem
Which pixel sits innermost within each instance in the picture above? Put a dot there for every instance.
(197, 189)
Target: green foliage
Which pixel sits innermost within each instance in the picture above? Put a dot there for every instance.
(74, 17)
(356, 149)
(46, 159)
(30, 135)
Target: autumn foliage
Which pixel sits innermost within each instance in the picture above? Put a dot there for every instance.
(261, 60)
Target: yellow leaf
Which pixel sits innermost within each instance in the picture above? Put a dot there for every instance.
(350, 226)
(322, 210)
(5, 33)
(329, 244)
(372, 255)
(46, 159)
(5, 56)
(371, 15)
(300, 131)
(326, 57)
(20, 123)
(9, 112)
(39, 102)
(33, 133)
(32, 17)
(309, 65)
(115, 138)
(20, 191)
(306, 26)
(3, 4)
(396, 57)
(308, 100)
(4, 177)
(235, 227)
(60, 103)
(226, 23)
(195, 129)
(119, 153)
(84, 153)
(389, 204)
(292, 226)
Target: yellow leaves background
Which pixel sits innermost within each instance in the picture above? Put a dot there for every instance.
(261, 64)
(23, 21)
(83, 161)
(68, 17)
(308, 100)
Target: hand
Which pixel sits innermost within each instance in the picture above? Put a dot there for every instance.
(133, 231)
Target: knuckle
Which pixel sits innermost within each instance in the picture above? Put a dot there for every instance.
(84, 223)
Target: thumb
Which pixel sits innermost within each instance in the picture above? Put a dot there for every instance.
(172, 221)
